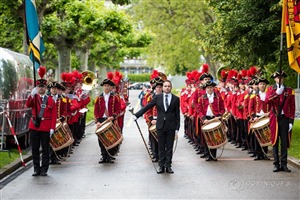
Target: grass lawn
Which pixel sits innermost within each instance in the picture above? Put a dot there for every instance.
(5, 159)
(294, 150)
(90, 112)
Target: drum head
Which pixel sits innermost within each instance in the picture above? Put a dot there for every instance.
(153, 127)
(105, 126)
(261, 123)
(211, 125)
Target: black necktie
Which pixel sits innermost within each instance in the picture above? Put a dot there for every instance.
(167, 102)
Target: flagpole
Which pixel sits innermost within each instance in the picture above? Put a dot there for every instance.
(280, 57)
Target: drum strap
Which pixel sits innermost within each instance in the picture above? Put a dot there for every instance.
(43, 106)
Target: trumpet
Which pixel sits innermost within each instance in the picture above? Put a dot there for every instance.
(89, 80)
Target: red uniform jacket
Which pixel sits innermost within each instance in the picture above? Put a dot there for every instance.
(217, 106)
(50, 113)
(113, 106)
(122, 111)
(239, 105)
(287, 101)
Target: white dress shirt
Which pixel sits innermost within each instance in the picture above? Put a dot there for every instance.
(211, 100)
(106, 99)
(169, 100)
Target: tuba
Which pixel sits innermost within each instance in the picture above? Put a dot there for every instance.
(89, 80)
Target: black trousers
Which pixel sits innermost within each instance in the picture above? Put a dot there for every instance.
(39, 138)
(165, 147)
(283, 128)
(104, 153)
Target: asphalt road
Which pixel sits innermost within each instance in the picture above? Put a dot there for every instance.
(132, 176)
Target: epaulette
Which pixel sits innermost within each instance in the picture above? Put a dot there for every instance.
(63, 99)
(252, 96)
(246, 96)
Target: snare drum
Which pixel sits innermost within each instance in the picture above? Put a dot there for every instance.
(262, 131)
(60, 138)
(153, 131)
(214, 134)
(109, 135)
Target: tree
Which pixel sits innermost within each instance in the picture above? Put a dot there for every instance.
(246, 33)
(176, 26)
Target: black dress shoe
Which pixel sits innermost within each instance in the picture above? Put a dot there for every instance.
(244, 148)
(155, 160)
(276, 168)
(209, 159)
(204, 155)
(258, 158)
(110, 161)
(253, 155)
(102, 160)
(43, 173)
(36, 174)
(265, 157)
(285, 169)
(161, 170)
(169, 170)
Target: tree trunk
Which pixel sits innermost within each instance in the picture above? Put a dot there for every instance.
(83, 59)
(64, 61)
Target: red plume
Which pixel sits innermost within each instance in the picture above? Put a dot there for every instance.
(64, 76)
(42, 71)
(223, 73)
(110, 75)
(253, 70)
(244, 73)
(205, 68)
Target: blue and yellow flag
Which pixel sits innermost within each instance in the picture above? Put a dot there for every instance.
(34, 36)
(291, 26)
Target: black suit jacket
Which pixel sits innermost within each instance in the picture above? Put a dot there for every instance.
(167, 120)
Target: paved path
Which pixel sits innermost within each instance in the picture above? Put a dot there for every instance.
(132, 176)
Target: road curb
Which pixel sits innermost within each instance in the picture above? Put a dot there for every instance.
(294, 162)
(10, 168)
(13, 166)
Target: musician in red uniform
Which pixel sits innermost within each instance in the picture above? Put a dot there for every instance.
(42, 124)
(107, 107)
(211, 106)
(258, 109)
(61, 105)
(151, 117)
(282, 114)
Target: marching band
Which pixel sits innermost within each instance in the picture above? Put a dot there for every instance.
(254, 115)
(242, 109)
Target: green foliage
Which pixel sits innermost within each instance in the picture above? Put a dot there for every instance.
(9, 83)
(90, 112)
(121, 2)
(175, 25)
(294, 150)
(246, 33)
(139, 77)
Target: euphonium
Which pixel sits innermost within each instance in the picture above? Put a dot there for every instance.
(89, 80)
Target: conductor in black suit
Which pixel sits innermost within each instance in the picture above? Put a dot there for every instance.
(167, 125)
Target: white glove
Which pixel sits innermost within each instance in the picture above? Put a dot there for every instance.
(34, 92)
(290, 127)
(134, 118)
(279, 90)
(51, 132)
